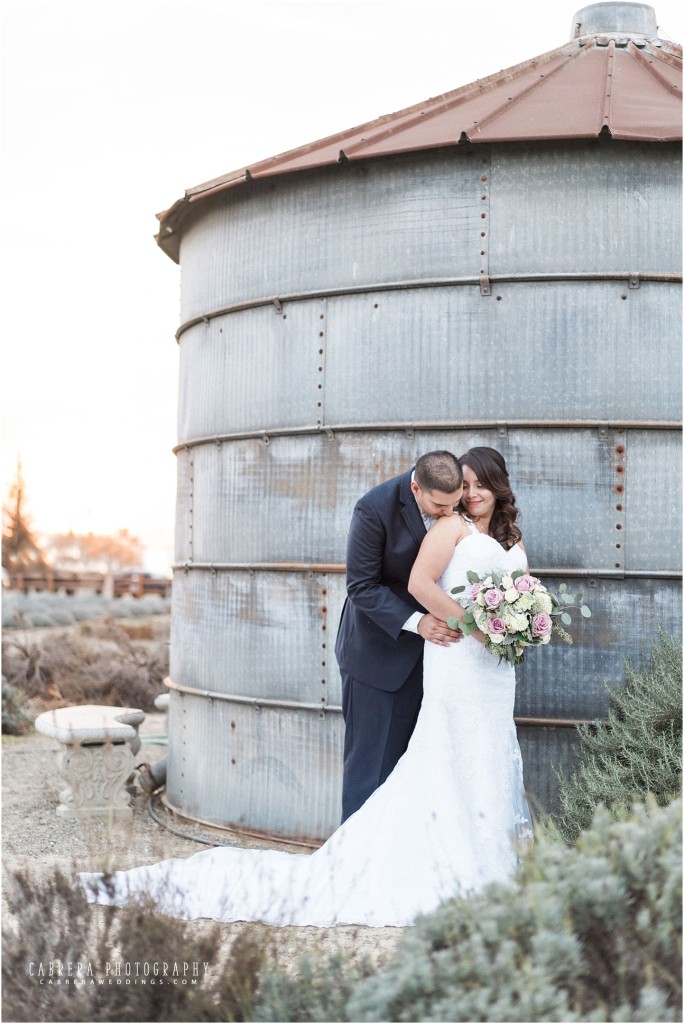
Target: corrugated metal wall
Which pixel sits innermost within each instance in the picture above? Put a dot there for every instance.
(337, 324)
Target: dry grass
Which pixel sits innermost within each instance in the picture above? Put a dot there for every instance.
(101, 663)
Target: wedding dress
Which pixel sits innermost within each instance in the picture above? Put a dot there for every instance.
(446, 822)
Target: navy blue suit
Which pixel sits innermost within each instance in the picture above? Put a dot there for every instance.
(381, 664)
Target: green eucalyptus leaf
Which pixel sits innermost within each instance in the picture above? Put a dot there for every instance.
(472, 576)
(578, 598)
(516, 573)
(563, 587)
(585, 611)
(566, 619)
(457, 590)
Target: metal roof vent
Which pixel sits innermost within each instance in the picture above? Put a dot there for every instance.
(621, 18)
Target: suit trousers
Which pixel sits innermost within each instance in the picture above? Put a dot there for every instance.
(378, 727)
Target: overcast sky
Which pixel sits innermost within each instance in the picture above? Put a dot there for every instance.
(111, 110)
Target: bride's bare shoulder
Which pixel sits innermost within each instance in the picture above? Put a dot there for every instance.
(452, 526)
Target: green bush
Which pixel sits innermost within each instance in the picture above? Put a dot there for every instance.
(319, 991)
(590, 933)
(636, 750)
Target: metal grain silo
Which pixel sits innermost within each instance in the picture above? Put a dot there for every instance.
(499, 265)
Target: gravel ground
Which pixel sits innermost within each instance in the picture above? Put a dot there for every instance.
(35, 838)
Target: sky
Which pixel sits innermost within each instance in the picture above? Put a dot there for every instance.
(110, 110)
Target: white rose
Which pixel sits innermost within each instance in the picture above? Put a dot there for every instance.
(546, 639)
(507, 582)
(543, 602)
(480, 599)
(489, 582)
(511, 595)
(516, 623)
(496, 638)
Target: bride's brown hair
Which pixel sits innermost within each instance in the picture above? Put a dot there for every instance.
(490, 468)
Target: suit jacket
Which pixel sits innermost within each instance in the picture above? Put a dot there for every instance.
(384, 537)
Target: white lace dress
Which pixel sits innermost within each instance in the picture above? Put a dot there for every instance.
(445, 822)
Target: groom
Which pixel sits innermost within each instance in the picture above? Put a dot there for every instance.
(380, 640)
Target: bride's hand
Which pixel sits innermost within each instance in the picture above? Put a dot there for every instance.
(437, 631)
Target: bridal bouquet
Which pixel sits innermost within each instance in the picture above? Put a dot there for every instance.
(514, 611)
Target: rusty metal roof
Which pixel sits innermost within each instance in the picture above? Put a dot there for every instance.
(623, 86)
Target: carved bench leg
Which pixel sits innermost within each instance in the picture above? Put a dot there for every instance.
(95, 777)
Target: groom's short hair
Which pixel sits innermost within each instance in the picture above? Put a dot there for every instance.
(439, 471)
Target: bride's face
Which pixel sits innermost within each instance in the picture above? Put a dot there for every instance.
(478, 500)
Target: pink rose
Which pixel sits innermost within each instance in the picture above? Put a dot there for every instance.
(496, 626)
(493, 598)
(541, 624)
(524, 584)
(475, 590)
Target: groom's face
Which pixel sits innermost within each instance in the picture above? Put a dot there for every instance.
(436, 503)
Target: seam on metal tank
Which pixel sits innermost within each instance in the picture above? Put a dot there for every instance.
(435, 282)
(255, 702)
(331, 429)
(252, 567)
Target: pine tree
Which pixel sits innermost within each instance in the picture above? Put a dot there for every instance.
(636, 750)
(20, 551)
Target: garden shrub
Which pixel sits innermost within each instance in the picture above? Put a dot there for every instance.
(636, 750)
(25, 611)
(15, 721)
(591, 933)
(319, 991)
(95, 664)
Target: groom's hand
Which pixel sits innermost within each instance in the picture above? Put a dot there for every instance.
(437, 631)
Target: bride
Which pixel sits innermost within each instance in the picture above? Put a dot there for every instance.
(449, 818)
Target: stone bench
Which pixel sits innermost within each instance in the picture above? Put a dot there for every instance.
(98, 757)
